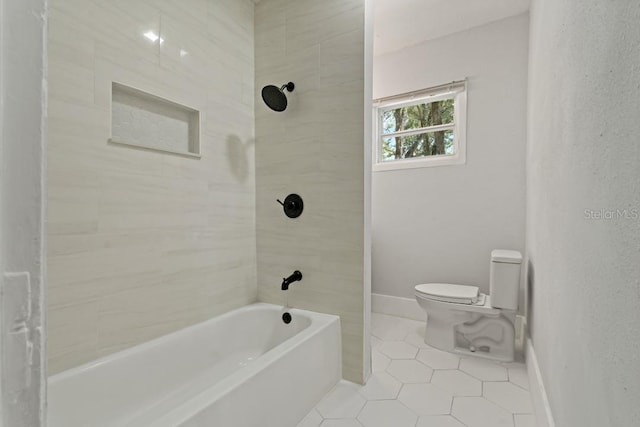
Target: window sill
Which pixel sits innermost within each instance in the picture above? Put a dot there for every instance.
(418, 163)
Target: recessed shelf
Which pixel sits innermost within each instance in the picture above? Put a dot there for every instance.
(142, 120)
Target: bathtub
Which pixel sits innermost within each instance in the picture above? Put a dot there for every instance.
(242, 369)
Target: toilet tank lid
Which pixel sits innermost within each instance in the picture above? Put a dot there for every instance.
(456, 293)
(505, 255)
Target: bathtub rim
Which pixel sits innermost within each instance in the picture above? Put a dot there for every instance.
(182, 410)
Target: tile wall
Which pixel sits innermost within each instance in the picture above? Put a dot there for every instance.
(142, 243)
(316, 149)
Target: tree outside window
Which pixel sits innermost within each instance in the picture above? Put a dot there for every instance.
(427, 128)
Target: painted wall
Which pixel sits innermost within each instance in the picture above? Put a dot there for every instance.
(439, 224)
(368, 150)
(22, 274)
(583, 155)
(314, 148)
(142, 243)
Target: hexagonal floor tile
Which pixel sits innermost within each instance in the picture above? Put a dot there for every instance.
(528, 420)
(413, 326)
(398, 350)
(416, 337)
(457, 383)
(426, 399)
(438, 359)
(410, 371)
(343, 401)
(381, 386)
(484, 370)
(386, 413)
(479, 412)
(341, 422)
(313, 419)
(439, 421)
(511, 397)
(375, 342)
(519, 376)
(387, 327)
(379, 361)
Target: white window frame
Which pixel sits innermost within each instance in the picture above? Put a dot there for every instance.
(456, 91)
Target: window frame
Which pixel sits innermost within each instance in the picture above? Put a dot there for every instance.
(456, 91)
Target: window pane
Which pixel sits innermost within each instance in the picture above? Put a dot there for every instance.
(420, 145)
(418, 116)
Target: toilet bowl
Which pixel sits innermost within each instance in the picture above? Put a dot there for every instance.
(462, 319)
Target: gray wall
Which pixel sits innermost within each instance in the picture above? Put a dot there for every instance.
(439, 224)
(316, 149)
(584, 154)
(22, 274)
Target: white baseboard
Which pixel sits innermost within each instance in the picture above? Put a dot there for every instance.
(397, 306)
(541, 405)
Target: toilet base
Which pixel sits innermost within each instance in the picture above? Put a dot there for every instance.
(490, 335)
(439, 332)
(485, 355)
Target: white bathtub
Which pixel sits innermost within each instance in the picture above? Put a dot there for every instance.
(242, 369)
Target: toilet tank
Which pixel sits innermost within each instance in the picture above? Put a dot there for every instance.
(505, 278)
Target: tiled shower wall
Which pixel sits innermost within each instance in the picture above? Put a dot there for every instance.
(316, 149)
(142, 243)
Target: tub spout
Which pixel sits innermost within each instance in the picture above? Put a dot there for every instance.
(296, 276)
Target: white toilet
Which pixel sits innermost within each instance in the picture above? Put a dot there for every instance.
(463, 320)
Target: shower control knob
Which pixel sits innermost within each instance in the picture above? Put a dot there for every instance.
(292, 205)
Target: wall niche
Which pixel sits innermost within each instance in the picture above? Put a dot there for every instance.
(147, 121)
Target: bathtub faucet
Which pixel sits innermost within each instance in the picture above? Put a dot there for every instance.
(295, 277)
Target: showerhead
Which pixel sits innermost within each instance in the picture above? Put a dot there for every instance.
(275, 97)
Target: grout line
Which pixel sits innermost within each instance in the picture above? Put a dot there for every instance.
(451, 406)
(361, 409)
(498, 405)
(517, 385)
(430, 379)
(460, 421)
(400, 391)
(521, 388)
(409, 409)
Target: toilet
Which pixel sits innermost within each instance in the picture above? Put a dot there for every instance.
(462, 319)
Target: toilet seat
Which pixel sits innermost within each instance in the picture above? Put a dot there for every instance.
(446, 292)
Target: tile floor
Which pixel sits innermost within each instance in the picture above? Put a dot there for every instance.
(414, 385)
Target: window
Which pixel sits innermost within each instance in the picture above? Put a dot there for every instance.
(425, 128)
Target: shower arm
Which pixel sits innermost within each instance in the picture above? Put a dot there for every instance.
(288, 86)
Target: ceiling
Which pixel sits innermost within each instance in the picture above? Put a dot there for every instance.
(402, 23)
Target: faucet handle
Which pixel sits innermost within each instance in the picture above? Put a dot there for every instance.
(292, 205)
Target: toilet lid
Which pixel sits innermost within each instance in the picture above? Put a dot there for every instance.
(459, 294)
